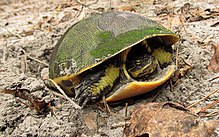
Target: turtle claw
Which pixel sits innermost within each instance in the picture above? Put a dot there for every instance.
(80, 100)
(86, 100)
(82, 97)
(77, 94)
(78, 91)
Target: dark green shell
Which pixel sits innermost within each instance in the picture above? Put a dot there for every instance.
(92, 40)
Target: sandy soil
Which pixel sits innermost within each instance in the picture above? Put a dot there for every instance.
(30, 29)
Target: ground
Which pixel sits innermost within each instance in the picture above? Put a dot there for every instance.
(31, 28)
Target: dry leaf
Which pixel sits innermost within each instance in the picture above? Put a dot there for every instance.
(126, 8)
(163, 10)
(215, 24)
(41, 106)
(214, 64)
(100, 9)
(198, 14)
(65, 16)
(179, 73)
(167, 119)
(27, 32)
(90, 120)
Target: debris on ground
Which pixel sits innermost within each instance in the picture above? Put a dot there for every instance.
(214, 64)
(30, 29)
(167, 119)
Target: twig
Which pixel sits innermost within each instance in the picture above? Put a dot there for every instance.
(177, 55)
(57, 94)
(37, 60)
(183, 25)
(4, 53)
(126, 109)
(169, 22)
(25, 60)
(158, 92)
(117, 125)
(12, 33)
(86, 5)
(202, 99)
(24, 103)
(212, 114)
(213, 78)
(186, 62)
(125, 120)
(215, 24)
(110, 6)
(78, 13)
(107, 106)
(174, 85)
(209, 106)
(171, 85)
(66, 97)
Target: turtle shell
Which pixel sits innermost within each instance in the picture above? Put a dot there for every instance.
(93, 40)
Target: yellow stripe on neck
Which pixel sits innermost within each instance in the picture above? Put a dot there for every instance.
(111, 74)
(162, 56)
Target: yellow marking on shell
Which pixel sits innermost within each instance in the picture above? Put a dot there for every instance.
(136, 88)
(111, 74)
(162, 56)
(123, 66)
(72, 77)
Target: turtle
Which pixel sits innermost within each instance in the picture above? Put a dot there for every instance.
(116, 55)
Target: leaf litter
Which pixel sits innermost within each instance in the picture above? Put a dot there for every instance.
(165, 120)
(36, 27)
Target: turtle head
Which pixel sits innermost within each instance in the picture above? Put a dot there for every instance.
(140, 61)
(146, 57)
(142, 66)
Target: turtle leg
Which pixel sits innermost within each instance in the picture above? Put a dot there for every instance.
(96, 84)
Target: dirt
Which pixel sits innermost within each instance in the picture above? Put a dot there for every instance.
(31, 28)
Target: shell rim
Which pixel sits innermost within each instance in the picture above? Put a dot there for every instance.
(70, 76)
